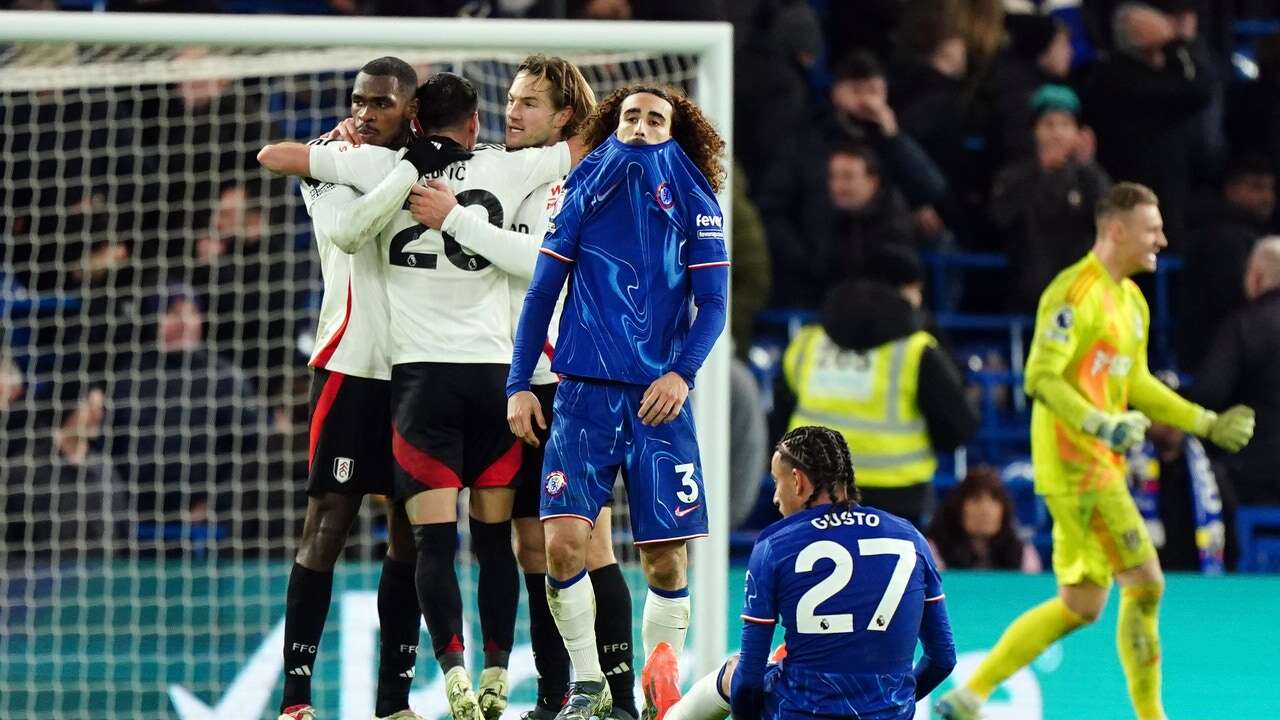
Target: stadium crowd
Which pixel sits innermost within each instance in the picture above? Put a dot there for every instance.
(863, 131)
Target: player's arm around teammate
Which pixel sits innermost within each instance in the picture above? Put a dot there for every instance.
(348, 458)
(370, 168)
(358, 218)
(547, 101)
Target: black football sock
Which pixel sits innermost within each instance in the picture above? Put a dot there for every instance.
(549, 656)
(498, 589)
(306, 606)
(613, 634)
(398, 618)
(438, 593)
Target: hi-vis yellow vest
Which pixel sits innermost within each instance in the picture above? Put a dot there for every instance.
(868, 397)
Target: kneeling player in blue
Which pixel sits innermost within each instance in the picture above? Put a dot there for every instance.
(850, 637)
(639, 235)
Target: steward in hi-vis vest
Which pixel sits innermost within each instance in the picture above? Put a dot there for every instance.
(870, 372)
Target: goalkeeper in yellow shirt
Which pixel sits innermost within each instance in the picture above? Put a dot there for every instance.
(1093, 395)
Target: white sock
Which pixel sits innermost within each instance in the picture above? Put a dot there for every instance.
(574, 608)
(666, 620)
(702, 702)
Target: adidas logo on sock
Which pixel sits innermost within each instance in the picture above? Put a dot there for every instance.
(304, 671)
(618, 670)
(410, 673)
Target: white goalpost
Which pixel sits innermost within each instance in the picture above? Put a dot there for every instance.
(150, 506)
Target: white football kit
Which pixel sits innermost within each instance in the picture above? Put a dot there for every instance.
(516, 251)
(447, 304)
(353, 326)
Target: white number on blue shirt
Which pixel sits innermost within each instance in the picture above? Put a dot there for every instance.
(689, 488)
(807, 620)
(811, 623)
(889, 601)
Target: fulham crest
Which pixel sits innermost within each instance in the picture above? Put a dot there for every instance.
(343, 469)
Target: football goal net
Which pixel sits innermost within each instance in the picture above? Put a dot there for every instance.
(158, 297)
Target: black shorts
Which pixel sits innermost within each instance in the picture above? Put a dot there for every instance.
(350, 448)
(529, 489)
(450, 427)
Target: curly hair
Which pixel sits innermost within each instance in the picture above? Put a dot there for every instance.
(695, 133)
(824, 455)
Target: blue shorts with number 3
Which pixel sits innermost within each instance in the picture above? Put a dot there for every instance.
(597, 432)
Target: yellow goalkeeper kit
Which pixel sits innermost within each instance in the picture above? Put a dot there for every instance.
(1088, 362)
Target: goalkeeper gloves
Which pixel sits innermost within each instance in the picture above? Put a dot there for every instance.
(1120, 431)
(1231, 430)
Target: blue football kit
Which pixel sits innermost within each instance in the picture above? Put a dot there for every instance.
(638, 236)
(854, 588)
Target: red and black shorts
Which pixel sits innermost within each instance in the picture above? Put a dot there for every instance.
(450, 427)
(350, 448)
(529, 489)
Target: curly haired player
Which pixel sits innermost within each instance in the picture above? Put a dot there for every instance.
(641, 233)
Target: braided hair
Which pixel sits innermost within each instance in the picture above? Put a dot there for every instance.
(824, 455)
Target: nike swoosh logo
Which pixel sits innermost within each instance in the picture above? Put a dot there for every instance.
(601, 197)
(681, 512)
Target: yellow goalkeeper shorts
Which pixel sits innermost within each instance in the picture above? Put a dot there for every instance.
(1097, 534)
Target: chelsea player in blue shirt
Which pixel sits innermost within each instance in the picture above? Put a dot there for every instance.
(850, 636)
(639, 235)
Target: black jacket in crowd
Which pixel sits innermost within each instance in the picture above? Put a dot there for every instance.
(1242, 367)
(1045, 219)
(1145, 121)
(903, 162)
(57, 505)
(182, 426)
(1016, 81)
(855, 236)
(792, 199)
(931, 109)
(1253, 117)
(1217, 252)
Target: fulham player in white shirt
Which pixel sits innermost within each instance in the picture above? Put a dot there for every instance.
(450, 348)
(350, 446)
(547, 101)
